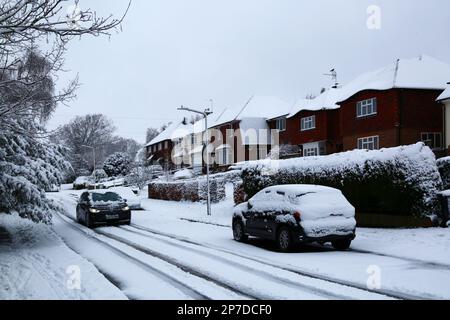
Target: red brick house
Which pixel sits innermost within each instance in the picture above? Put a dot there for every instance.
(394, 106)
(160, 149)
(244, 132)
(313, 125)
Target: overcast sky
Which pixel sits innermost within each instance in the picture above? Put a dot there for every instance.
(174, 52)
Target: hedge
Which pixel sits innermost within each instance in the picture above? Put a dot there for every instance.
(396, 181)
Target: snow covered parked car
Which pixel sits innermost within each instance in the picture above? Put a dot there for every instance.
(81, 183)
(291, 214)
(133, 201)
(102, 207)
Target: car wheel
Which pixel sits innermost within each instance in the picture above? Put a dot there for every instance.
(239, 231)
(341, 245)
(284, 239)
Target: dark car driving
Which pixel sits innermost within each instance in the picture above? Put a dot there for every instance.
(100, 207)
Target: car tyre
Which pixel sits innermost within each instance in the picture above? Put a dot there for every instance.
(239, 231)
(284, 239)
(341, 245)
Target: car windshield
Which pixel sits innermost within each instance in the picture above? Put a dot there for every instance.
(106, 197)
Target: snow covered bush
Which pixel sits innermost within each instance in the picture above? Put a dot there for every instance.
(117, 164)
(399, 181)
(443, 165)
(139, 176)
(194, 189)
(98, 175)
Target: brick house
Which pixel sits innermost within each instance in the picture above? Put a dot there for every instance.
(244, 132)
(394, 106)
(312, 125)
(160, 150)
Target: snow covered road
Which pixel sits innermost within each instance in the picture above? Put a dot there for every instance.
(164, 257)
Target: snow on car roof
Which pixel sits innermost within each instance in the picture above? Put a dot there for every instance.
(301, 188)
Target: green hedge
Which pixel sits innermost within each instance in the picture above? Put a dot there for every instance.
(396, 181)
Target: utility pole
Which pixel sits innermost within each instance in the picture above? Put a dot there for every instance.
(95, 173)
(205, 115)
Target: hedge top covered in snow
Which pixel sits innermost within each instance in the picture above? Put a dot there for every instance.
(416, 152)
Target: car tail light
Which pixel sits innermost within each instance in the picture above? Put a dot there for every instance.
(297, 215)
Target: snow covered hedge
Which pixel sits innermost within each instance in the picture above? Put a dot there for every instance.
(193, 189)
(399, 181)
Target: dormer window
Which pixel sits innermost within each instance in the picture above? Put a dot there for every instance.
(366, 108)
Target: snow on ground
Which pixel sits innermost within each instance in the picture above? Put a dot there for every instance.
(419, 274)
(36, 264)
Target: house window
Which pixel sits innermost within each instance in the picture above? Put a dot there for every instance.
(160, 146)
(432, 139)
(166, 145)
(366, 108)
(281, 124)
(224, 155)
(310, 152)
(369, 143)
(308, 123)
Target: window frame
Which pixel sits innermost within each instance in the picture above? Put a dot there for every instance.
(434, 134)
(280, 124)
(367, 104)
(305, 120)
(364, 141)
(307, 152)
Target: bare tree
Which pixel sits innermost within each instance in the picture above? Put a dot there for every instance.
(152, 133)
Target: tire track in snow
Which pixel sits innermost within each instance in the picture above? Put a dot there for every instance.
(191, 292)
(242, 266)
(384, 292)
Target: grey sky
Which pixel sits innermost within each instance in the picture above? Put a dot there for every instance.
(174, 52)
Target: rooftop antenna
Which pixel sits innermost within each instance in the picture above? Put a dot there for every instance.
(333, 75)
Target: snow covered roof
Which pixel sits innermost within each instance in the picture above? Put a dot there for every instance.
(264, 107)
(445, 95)
(325, 101)
(422, 72)
(174, 131)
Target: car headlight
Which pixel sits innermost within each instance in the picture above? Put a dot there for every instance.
(92, 210)
(127, 208)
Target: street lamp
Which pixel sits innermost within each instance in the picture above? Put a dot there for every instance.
(205, 115)
(95, 173)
